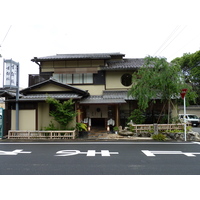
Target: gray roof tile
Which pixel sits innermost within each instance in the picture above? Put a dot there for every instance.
(134, 63)
(113, 97)
(43, 97)
(77, 56)
(117, 95)
(101, 100)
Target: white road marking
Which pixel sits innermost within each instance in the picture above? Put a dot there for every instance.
(152, 153)
(68, 152)
(13, 153)
(105, 153)
(148, 153)
(196, 143)
(88, 153)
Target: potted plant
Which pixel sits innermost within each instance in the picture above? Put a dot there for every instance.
(82, 129)
(116, 129)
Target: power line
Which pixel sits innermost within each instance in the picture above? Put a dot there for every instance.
(168, 38)
(174, 38)
(198, 35)
(5, 35)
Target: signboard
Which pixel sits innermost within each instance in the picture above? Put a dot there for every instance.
(11, 81)
(183, 93)
(1, 122)
(11, 69)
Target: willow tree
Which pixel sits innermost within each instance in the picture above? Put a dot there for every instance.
(157, 79)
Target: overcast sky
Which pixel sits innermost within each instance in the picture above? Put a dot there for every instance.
(137, 28)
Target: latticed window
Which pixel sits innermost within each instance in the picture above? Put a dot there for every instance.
(74, 78)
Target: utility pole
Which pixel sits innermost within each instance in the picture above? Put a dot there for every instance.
(183, 93)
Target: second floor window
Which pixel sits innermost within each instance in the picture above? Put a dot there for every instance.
(74, 78)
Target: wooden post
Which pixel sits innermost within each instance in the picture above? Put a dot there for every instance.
(78, 116)
(117, 115)
(155, 126)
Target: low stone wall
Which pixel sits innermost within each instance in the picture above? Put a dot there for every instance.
(172, 131)
(190, 136)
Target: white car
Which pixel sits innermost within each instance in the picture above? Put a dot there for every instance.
(190, 118)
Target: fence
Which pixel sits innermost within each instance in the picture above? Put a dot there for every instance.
(15, 134)
(140, 128)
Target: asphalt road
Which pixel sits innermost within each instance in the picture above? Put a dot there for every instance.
(100, 158)
(196, 129)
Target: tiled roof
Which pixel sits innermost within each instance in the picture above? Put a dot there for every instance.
(117, 95)
(113, 97)
(101, 100)
(134, 63)
(77, 56)
(4, 93)
(43, 97)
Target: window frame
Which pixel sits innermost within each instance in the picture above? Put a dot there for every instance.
(82, 78)
(124, 80)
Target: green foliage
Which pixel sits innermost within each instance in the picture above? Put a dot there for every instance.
(159, 137)
(190, 64)
(81, 127)
(116, 128)
(157, 79)
(137, 116)
(175, 120)
(175, 131)
(51, 127)
(189, 128)
(63, 112)
(131, 128)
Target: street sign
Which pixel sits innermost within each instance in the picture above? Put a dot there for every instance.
(11, 74)
(183, 93)
(88, 153)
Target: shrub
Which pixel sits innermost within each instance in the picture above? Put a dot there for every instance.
(81, 126)
(159, 137)
(63, 112)
(51, 127)
(137, 117)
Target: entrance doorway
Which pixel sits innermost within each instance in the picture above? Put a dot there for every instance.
(98, 125)
(98, 122)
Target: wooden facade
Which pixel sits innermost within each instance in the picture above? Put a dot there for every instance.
(97, 83)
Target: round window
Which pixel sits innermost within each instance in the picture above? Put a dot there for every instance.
(126, 79)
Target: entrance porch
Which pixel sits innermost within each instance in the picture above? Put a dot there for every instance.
(99, 118)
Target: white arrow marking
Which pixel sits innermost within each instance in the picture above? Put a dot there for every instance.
(152, 153)
(13, 153)
(191, 154)
(148, 153)
(88, 153)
